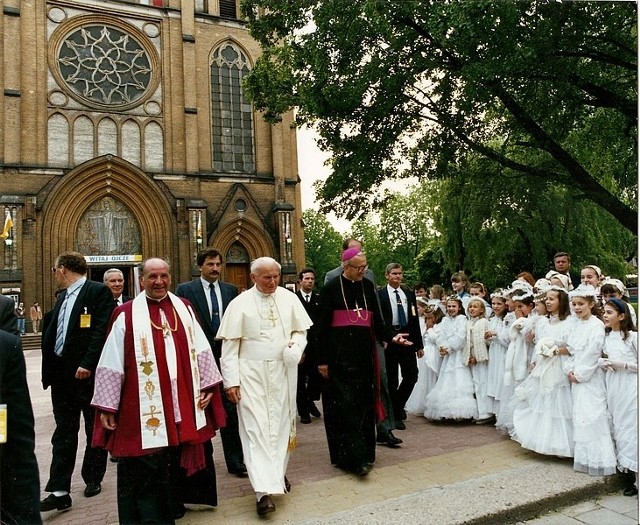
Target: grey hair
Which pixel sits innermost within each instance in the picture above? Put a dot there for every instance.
(264, 262)
(109, 271)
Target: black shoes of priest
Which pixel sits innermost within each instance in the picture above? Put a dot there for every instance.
(238, 469)
(52, 502)
(265, 505)
(92, 489)
(387, 438)
(313, 410)
(305, 420)
(630, 491)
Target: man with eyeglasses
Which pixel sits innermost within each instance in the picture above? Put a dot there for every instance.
(385, 427)
(72, 342)
(350, 326)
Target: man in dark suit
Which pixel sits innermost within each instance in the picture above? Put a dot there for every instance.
(400, 311)
(309, 380)
(19, 477)
(114, 279)
(72, 341)
(8, 317)
(210, 297)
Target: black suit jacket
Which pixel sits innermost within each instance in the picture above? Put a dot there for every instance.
(82, 346)
(8, 317)
(194, 293)
(413, 323)
(313, 310)
(19, 477)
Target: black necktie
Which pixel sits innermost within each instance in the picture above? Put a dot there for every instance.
(402, 318)
(307, 296)
(215, 312)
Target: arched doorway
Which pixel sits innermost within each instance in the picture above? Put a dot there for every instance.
(103, 207)
(241, 241)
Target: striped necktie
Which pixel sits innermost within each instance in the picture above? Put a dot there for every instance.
(60, 328)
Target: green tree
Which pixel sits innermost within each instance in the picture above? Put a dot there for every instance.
(406, 88)
(497, 227)
(322, 244)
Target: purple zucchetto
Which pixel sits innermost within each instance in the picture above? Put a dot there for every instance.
(350, 253)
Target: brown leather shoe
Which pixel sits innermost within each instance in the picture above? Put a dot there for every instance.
(265, 505)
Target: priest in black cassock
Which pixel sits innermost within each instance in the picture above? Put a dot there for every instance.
(349, 324)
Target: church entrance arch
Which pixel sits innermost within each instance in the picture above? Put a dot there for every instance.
(111, 212)
(241, 242)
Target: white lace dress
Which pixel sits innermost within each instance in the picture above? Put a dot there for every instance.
(428, 369)
(593, 446)
(498, 345)
(543, 404)
(452, 397)
(622, 398)
(515, 370)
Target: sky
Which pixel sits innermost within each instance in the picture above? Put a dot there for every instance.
(311, 168)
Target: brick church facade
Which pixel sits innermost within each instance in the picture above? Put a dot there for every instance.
(126, 134)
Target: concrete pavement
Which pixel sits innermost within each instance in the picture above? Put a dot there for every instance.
(442, 474)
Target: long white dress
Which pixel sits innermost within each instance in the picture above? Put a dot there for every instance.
(543, 405)
(452, 397)
(622, 398)
(428, 368)
(498, 345)
(515, 370)
(593, 446)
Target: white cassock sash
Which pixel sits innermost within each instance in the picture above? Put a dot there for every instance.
(152, 419)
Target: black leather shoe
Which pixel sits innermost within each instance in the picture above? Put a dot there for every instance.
(631, 491)
(265, 505)
(305, 420)
(387, 438)
(92, 489)
(400, 425)
(362, 470)
(237, 469)
(313, 410)
(52, 502)
(391, 439)
(287, 485)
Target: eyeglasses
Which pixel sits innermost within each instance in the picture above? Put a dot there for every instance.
(54, 269)
(363, 268)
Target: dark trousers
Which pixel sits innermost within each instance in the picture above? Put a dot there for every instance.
(143, 490)
(309, 387)
(403, 359)
(389, 422)
(230, 436)
(70, 399)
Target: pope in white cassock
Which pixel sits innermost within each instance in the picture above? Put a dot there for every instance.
(263, 334)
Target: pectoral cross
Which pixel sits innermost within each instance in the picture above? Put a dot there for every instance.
(272, 317)
(357, 311)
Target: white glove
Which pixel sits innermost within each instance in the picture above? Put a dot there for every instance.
(608, 364)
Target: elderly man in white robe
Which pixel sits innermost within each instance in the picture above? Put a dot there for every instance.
(263, 335)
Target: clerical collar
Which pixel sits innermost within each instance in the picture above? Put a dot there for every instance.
(154, 299)
(262, 294)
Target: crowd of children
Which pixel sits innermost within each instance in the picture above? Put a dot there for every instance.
(553, 366)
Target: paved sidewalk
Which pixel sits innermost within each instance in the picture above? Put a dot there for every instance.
(442, 474)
